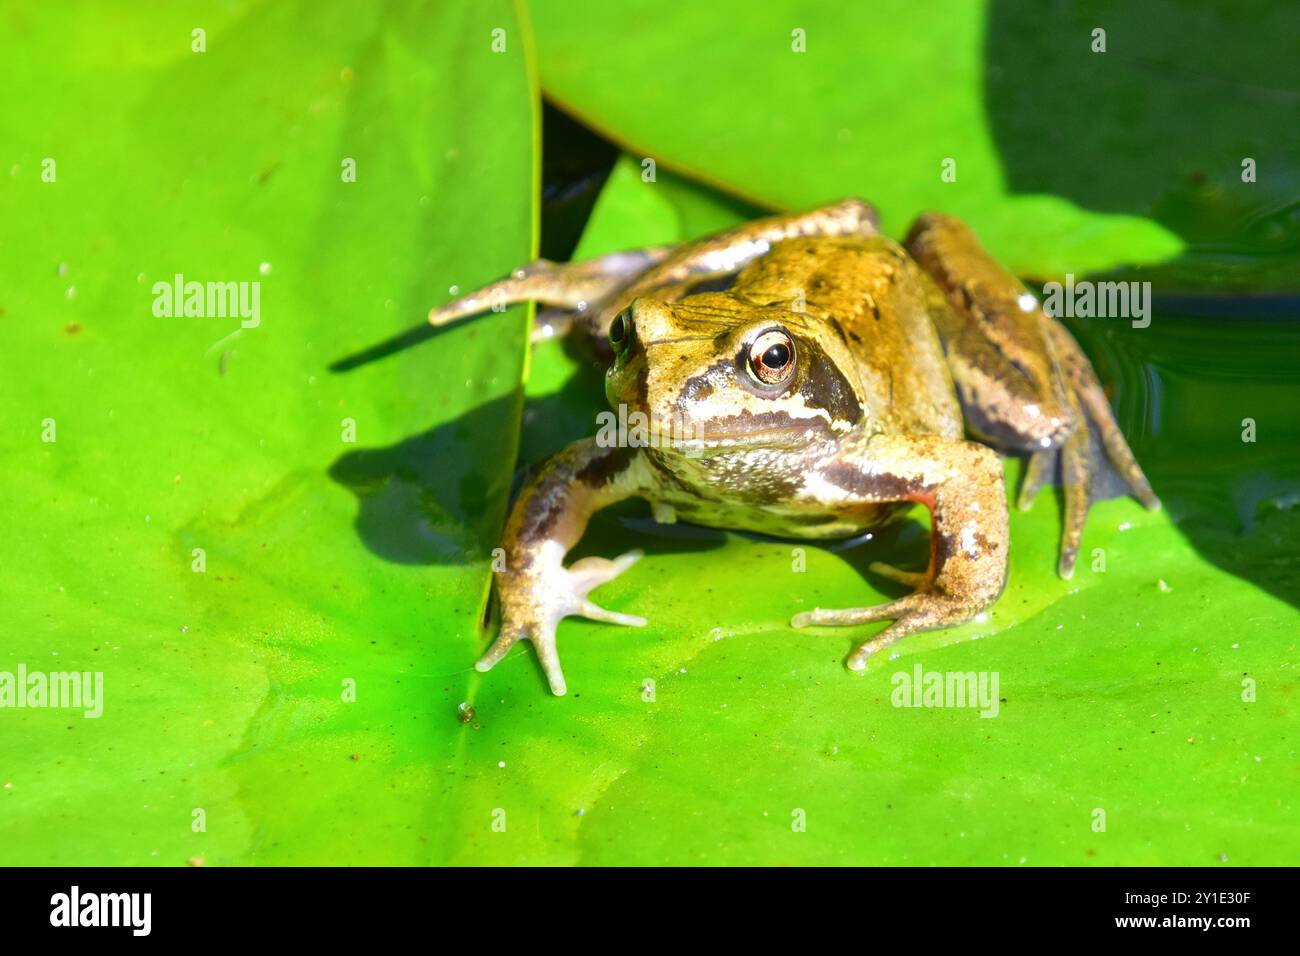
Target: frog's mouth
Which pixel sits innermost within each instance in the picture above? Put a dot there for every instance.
(770, 430)
(635, 429)
(778, 425)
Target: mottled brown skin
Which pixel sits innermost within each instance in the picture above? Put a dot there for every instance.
(826, 389)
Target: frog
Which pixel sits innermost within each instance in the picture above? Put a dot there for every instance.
(804, 376)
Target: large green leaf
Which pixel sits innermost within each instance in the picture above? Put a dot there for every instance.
(326, 561)
(1066, 159)
(329, 561)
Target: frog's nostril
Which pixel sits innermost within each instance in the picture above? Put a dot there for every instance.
(619, 332)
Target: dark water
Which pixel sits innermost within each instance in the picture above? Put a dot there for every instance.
(1185, 390)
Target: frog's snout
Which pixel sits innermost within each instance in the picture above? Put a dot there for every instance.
(650, 348)
(625, 382)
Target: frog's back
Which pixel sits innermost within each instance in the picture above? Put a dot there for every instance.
(871, 293)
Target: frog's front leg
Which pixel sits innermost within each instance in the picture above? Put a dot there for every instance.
(961, 484)
(536, 590)
(1024, 384)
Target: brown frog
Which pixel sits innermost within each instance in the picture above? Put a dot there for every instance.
(827, 387)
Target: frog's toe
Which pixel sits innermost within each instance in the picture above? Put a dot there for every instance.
(509, 636)
(1037, 470)
(534, 612)
(908, 614)
(913, 579)
(589, 573)
(1077, 470)
(845, 617)
(920, 611)
(541, 633)
(549, 656)
(927, 612)
(594, 612)
(909, 624)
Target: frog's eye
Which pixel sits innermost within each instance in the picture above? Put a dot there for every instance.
(771, 357)
(619, 332)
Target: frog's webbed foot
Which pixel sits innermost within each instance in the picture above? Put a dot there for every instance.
(1080, 460)
(535, 589)
(1077, 455)
(549, 594)
(923, 610)
(1024, 383)
(1091, 398)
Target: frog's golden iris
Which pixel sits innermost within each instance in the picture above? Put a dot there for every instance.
(772, 357)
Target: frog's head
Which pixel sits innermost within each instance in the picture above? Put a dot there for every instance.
(716, 370)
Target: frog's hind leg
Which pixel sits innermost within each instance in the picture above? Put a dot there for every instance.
(1025, 385)
(960, 483)
(1097, 407)
(570, 290)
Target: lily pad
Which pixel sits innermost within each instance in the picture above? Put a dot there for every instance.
(286, 619)
(1067, 151)
(234, 535)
